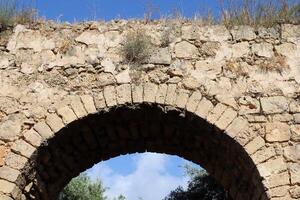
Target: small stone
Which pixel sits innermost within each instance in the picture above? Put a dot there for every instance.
(27, 69)
(277, 132)
(108, 65)
(4, 63)
(123, 77)
(186, 50)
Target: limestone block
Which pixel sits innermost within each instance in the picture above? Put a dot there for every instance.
(286, 49)
(243, 33)
(297, 118)
(182, 98)
(161, 93)
(110, 96)
(294, 169)
(190, 83)
(290, 32)
(263, 154)
(171, 94)
(216, 113)
(67, 114)
(108, 65)
(237, 126)
(44, 130)
(123, 77)
(9, 130)
(186, 50)
(161, 56)
(277, 132)
(23, 148)
(150, 90)
(55, 123)
(91, 37)
(193, 101)
(124, 94)
(272, 105)
(137, 93)
(204, 107)
(278, 180)
(273, 166)
(4, 197)
(77, 106)
(295, 192)
(9, 174)
(240, 49)
(99, 100)
(7, 187)
(227, 117)
(280, 191)
(15, 161)
(3, 152)
(263, 50)
(255, 145)
(88, 103)
(32, 137)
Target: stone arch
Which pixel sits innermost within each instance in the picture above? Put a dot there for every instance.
(137, 118)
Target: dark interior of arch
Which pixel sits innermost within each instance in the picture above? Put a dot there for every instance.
(141, 128)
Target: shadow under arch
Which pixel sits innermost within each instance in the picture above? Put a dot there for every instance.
(141, 128)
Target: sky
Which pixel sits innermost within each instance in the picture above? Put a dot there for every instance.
(78, 10)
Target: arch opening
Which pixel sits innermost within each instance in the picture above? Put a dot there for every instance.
(137, 129)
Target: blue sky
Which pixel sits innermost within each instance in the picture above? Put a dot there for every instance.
(77, 10)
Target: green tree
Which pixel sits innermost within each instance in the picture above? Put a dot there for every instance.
(83, 188)
(201, 186)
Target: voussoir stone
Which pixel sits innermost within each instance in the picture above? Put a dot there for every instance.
(9, 130)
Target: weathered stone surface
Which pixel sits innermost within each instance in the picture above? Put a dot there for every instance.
(255, 145)
(150, 90)
(271, 105)
(4, 197)
(91, 37)
(273, 166)
(3, 152)
(77, 106)
(193, 101)
(33, 138)
(137, 93)
(15, 161)
(108, 65)
(124, 94)
(186, 50)
(7, 187)
(182, 98)
(9, 174)
(295, 192)
(277, 132)
(43, 130)
(263, 154)
(243, 33)
(23, 148)
(204, 107)
(278, 180)
(123, 77)
(161, 56)
(88, 103)
(9, 130)
(236, 127)
(227, 117)
(109, 93)
(294, 169)
(240, 49)
(263, 50)
(55, 123)
(171, 94)
(67, 114)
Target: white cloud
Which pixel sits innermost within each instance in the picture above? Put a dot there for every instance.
(150, 179)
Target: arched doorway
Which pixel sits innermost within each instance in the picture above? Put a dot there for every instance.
(141, 127)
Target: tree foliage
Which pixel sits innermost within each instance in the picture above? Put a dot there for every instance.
(201, 186)
(83, 188)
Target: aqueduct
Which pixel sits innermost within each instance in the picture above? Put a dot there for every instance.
(225, 99)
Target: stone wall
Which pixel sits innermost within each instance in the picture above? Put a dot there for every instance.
(240, 87)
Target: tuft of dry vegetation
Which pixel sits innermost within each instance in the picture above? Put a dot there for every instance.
(13, 12)
(257, 13)
(275, 64)
(136, 48)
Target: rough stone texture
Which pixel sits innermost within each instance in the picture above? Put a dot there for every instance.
(277, 132)
(70, 84)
